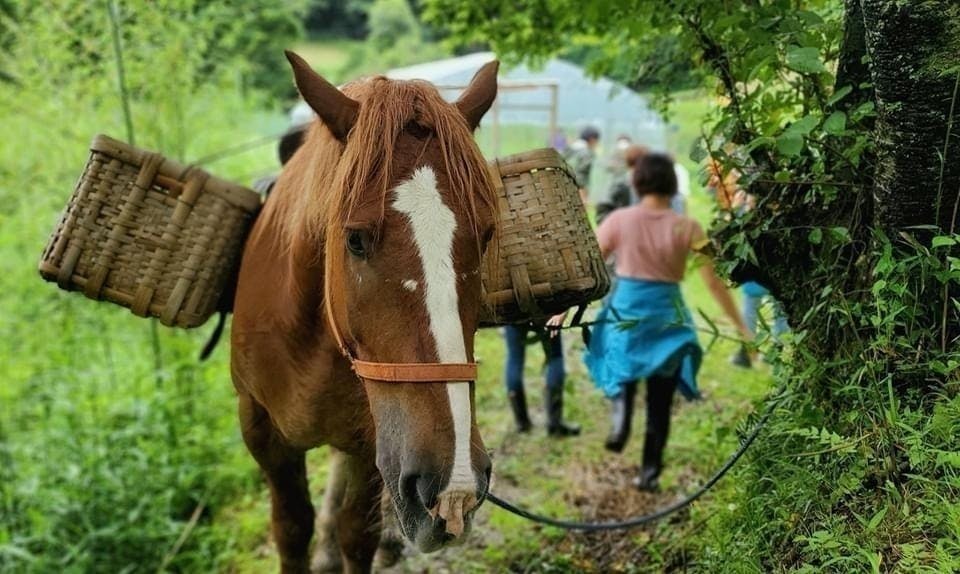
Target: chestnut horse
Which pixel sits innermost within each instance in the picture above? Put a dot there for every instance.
(354, 318)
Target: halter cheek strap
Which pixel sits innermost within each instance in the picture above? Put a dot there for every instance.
(397, 372)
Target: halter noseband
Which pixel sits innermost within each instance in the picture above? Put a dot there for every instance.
(397, 372)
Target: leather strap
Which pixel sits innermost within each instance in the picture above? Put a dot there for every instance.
(416, 372)
(328, 307)
(396, 372)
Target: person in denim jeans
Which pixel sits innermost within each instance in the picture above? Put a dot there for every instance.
(754, 295)
(517, 339)
(725, 187)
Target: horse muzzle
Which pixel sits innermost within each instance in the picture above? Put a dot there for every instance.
(431, 518)
(447, 522)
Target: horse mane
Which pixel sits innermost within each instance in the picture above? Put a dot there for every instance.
(340, 178)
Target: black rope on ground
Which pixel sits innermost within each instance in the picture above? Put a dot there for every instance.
(646, 518)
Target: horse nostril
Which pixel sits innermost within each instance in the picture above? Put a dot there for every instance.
(408, 487)
(422, 488)
(428, 488)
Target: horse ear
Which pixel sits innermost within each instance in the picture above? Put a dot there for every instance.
(337, 111)
(479, 95)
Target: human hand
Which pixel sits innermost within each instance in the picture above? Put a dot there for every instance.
(555, 323)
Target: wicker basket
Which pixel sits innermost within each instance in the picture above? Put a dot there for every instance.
(147, 233)
(545, 257)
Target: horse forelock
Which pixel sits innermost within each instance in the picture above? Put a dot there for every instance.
(340, 178)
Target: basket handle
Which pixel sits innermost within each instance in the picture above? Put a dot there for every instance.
(523, 291)
(185, 202)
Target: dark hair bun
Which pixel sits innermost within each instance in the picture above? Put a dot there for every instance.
(653, 174)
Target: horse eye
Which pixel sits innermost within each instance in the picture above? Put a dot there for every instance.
(488, 236)
(355, 243)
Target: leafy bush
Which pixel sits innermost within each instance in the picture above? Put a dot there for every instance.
(218, 38)
(389, 21)
(858, 475)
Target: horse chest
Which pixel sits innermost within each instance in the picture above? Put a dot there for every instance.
(312, 400)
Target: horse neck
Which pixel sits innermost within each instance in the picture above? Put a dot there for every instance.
(294, 257)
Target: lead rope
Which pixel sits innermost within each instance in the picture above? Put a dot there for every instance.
(663, 512)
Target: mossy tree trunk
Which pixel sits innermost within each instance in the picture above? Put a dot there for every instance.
(912, 46)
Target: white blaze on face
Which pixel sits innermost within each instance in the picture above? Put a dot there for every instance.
(433, 226)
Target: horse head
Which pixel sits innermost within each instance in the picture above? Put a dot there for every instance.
(403, 205)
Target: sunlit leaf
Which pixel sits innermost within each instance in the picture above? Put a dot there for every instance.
(803, 126)
(835, 123)
(805, 60)
(840, 233)
(943, 240)
(839, 95)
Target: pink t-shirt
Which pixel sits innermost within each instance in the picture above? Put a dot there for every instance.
(651, 244)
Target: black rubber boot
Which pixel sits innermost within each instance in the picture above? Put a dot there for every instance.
(659, 400)
(621, 417)
(518, 403)
(554, 407)
(649, 479)
(649, 476)
(741, 358)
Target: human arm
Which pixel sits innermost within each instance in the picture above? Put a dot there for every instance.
(584, 196)
(581, 162)
(608, 234)
(723, 297)
(716, 286)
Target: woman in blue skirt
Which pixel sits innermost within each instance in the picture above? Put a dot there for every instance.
(645, 331)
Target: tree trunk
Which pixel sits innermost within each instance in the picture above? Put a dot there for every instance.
(911, 46)
(914, 50)
(852, 69)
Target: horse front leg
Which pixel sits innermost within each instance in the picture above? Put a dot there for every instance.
(358, 520)
(326, 553)
(286, 473)
(390, 550)
(326, 556)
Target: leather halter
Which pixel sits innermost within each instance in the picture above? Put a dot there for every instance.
(396, 372)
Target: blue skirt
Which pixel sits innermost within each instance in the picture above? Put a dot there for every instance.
(643, 330)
